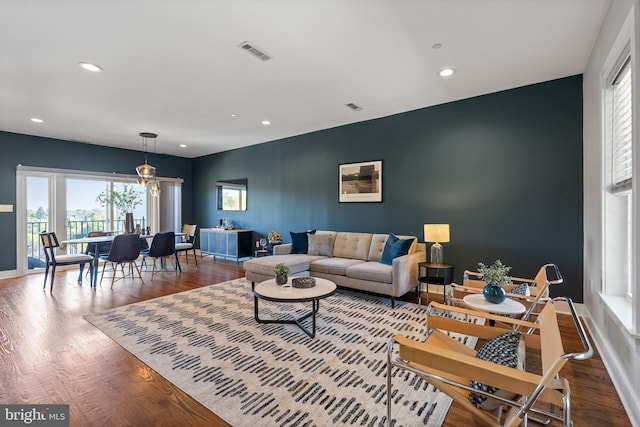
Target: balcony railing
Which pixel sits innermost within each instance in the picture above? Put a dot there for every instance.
(74, 230)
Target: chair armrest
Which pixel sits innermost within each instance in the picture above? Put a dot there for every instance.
(437, 359)
(405, 272)
(440, 316)
(282, 249)
(463, 288)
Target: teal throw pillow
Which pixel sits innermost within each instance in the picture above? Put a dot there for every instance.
(300, 242)
(394, 248)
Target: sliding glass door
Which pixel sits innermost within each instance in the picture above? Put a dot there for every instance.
(68, 203)
(38, 217)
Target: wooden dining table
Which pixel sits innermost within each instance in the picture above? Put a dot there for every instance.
(95, 242)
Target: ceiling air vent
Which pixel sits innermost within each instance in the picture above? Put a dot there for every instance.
(353, 106)
(252, 49)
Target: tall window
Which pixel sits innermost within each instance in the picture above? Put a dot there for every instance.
(618, 207)
(85, 213)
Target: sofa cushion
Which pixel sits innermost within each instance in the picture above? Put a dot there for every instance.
(300, 241)
(395, 247)
(321, 244)
(333, 265)
(264, 265)
(372, 271)
(377, 246)
(352, 245)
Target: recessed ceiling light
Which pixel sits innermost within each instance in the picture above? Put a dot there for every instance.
(183, 145)
(36, 120)
(234, 115)
(90, 67)
(446, 72)
(266, 122)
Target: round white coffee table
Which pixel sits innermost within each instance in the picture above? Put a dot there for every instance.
(508, 306)
(269, 290)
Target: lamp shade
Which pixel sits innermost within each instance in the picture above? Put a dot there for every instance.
(436, 233)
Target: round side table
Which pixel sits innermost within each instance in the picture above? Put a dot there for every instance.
(434, 274)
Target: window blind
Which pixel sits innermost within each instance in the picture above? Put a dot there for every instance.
(621, 130)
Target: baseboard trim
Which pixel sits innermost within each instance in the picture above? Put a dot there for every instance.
(616, 371)
(8, 274)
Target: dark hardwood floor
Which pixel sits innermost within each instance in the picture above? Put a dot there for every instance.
(50, 354)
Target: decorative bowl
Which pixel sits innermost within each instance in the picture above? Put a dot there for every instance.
(303, 282)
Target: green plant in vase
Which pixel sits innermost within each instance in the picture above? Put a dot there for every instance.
(124, 201)
(495, 277)
(282, 273)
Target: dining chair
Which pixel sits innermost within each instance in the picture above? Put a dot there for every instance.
(162, 247)
(50, 243)
(189, 242)
(144, 247)
(125, 249)
(103, 247)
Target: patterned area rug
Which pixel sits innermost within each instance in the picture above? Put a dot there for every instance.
(207, 342)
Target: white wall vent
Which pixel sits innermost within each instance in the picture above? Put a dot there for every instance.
(252, 49)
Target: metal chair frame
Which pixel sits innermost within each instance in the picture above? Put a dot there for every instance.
(450, 365)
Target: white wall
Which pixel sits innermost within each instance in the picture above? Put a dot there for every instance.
(613, 328)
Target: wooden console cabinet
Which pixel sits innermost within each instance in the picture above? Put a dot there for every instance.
(226, 244)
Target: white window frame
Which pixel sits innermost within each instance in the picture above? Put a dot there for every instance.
(621, 295)
(618, 198)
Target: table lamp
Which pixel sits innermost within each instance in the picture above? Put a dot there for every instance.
(436, 233)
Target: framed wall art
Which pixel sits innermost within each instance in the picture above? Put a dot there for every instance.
(361, 182)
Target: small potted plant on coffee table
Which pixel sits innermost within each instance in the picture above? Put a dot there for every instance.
(495, 277)
(282, 273)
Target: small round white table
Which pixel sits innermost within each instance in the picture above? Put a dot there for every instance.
(508, 306)
(269, 290)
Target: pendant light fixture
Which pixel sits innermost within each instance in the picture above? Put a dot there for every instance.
(145, 171)
(154, 187)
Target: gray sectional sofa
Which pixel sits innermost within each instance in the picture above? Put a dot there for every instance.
(350, 260)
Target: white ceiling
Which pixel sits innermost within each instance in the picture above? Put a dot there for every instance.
(174, 67)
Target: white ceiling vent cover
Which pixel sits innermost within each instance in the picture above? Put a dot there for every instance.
(252, 49)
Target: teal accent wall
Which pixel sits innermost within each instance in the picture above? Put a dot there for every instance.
(52, 153)
(504, 170)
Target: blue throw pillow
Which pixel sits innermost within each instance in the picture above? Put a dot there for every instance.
(393, 248)
(386, 257)
(300, 242)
